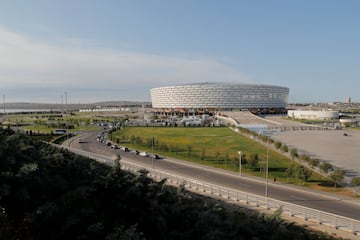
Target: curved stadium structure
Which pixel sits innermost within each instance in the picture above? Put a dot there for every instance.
(221, 96)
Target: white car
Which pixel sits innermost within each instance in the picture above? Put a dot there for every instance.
(144, 154)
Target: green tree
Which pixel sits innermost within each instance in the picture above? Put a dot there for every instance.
(253, 160)
(314, 162)
(305, 157)
(203, 152)
(277, 144)
(294, 154)
(326, 167)
(303, 174)
(290, 172)
(217, 155)
(356, 183)
(337, 176)
(284, 148)
(189, 150)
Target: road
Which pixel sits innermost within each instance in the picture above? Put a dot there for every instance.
(316, 200)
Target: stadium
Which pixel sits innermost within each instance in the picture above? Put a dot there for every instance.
(210, 97)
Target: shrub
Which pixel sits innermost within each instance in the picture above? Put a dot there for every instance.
(326, 167)
(277, 145)
(284, 148)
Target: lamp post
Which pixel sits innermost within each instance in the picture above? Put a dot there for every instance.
(152, 152)
(267, 168)
(239, 152)
(267, 133)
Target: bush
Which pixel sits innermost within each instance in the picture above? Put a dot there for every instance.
(284, 148)
(277, 145)
(294, 153)
(326, 167)
(355, 181)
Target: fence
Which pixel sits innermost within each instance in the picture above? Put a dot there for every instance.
(308, 214)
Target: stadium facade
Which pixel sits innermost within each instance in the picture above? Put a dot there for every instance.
(220, 96)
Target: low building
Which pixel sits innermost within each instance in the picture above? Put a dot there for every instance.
(315, 115)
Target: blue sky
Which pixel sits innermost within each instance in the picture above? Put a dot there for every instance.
(118, 50)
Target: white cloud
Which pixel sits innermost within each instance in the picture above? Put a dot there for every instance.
(29, 63)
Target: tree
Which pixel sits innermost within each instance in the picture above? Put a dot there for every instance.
(253, 160)
(337, 176)
(326, 167)
(303, 174)
(294, 154)
(226, 158)
(189, 149)
(290, 171)
(356, 182)
(203, 152)
(305, 157)
(284, 148)
(277, 144)
(217, 155)
(314, 162)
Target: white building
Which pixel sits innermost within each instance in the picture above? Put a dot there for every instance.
(310, 114)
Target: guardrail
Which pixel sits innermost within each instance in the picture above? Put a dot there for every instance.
(308, 214)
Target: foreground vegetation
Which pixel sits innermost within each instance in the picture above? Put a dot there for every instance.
(48, 193)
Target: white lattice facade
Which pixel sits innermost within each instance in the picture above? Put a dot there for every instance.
(220, 96)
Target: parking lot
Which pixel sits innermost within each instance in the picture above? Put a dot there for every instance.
(331, 146)
(341, 148)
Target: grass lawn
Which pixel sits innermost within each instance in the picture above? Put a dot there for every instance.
(216, 147)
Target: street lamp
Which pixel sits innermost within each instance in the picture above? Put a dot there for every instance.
(267, 168)
(267, 133)
(239, 152)
(152, 152)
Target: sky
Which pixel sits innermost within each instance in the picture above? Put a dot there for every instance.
(117, 50)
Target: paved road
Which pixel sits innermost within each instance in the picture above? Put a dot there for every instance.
(316, 200)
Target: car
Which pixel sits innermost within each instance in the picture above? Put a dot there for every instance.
(135, 151)
(125, 149)
(144, 154)
(114, 146)
(157, 156)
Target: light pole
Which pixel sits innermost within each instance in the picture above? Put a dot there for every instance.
(152, 152)
(267, 168)
(239, 152)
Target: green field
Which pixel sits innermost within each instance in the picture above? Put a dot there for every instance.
(216, 147)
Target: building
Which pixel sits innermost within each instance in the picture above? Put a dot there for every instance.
(203, 97)
(314, 115)
(348, 100)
